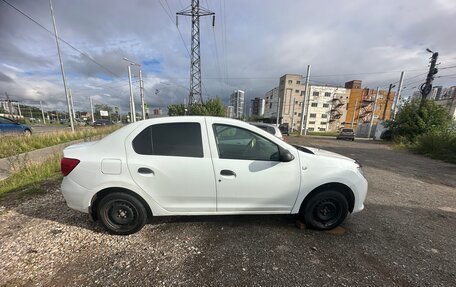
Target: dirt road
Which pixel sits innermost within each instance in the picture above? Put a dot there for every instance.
(406, 236)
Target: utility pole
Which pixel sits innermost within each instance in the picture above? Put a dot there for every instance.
(72, 104)
(304, 104)
(292, 116)
(278, 111)
(132, 102)
(61, 67)
(398, 96)
(141, 92)
(19, 109)
(426, 87)
(387, 100)
(91, 109)
(353, 117)
(373, 114)
(195, 11)
(42, 113)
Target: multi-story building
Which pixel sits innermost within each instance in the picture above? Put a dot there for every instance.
(436, 93)
(364, 104)
(229, 112)
(447, 99)
(258, 107)
(325, 104)
(271, 101)
(237, 101)
(10, 107)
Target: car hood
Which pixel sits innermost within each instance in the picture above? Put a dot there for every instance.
(323, 153)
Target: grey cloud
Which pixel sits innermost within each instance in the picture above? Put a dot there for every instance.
(263, 40)
(5, 78)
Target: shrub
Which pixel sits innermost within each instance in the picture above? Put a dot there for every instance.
(413, 121)
(438, 145)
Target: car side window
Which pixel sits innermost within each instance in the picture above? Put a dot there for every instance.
(238, 143)
(6, 121)
(173, 139)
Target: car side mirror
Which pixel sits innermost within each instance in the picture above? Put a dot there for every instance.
(285, 155)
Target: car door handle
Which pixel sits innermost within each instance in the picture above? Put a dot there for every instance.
(145, 170)
(227, 172)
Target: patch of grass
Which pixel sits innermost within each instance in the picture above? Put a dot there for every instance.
(324, 134)
(13, 145)
(28, 179)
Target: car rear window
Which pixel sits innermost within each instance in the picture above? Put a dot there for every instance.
(174, 139)
(347, 130)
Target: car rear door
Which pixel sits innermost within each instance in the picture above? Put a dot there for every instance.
(172, 163)
(250, 177)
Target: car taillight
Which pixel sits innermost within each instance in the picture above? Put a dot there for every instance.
(68, 164)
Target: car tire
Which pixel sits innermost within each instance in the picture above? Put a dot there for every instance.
(353, 140)
(27, 133)
(325, 210)
(121, 213)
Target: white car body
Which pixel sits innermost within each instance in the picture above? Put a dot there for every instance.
(194, 185)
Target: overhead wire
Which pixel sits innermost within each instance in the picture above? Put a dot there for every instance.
(61, 39)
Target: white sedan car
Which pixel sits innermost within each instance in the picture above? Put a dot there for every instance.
(206, 166)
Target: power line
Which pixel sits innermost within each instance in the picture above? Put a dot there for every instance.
(52, 34)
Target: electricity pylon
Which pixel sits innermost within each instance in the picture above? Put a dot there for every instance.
(195, 11)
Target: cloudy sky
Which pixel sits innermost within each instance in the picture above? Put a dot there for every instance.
(253, 43)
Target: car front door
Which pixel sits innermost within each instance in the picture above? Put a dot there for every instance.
(172, 163)
(250, 176)
(8, 126)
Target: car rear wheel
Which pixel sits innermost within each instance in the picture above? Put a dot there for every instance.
(27, 133)
(122, 213)
(326, 210)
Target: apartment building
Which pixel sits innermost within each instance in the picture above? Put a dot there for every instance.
(271, 101)
(237, 101)
(326, 105)
(447, 99)
(257, 107)
(364, 104)
(229, 112)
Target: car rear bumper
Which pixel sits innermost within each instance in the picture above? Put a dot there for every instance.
(349, 137)
(76, 196)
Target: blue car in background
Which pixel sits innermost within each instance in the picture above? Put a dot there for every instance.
(8, 126)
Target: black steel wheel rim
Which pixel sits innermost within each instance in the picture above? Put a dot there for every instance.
(327, 211)
(122, 213)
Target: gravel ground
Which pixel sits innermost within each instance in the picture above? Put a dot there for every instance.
(404, 237)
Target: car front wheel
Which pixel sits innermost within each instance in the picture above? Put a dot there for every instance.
(122, 213)
(326, 210)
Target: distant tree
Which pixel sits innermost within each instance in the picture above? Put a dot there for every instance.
(176, 110)
(412, 121)
(212, 107)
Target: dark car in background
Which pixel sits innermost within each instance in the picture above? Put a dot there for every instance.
(9, 126)
(284, 129)
(102, 123)
(346, 134)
